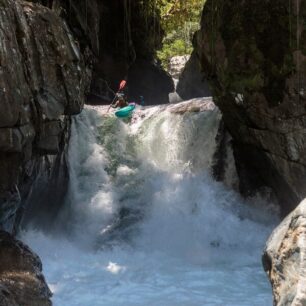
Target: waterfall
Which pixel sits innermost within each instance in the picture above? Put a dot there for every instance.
(144, 222)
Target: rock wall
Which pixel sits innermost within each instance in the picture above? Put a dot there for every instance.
(49, 51)
(254, 57)
(43, 80)
(284, 259)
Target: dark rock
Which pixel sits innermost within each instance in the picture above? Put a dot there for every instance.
(48, 189)
(21, 279)
(49, 137)
(123, 37)
(6, 297)
(192, 82)
(255, 64)
(150, 81)
(43, 80)
(14, 139)
(218, 167)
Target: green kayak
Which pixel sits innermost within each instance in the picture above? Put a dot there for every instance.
(125, 111)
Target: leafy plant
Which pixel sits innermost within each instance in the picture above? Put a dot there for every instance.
(180, 19)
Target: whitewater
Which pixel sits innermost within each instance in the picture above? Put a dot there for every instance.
(144, 222)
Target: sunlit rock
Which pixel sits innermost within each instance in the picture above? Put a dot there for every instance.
(284, 259)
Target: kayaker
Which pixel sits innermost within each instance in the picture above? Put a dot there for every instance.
(121, 101)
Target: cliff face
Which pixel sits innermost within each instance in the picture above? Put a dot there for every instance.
(43, 78)
(254, 56)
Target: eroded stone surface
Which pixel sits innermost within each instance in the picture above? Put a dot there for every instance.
(43, 81)
(284, 259)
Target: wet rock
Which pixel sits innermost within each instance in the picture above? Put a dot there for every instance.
(284, 259)
(255, 64)
(14, 139)
(21, 279)
(49, 138)
(43, 81)
(220, 156)
(193, 106)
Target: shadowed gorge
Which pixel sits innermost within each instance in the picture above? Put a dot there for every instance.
(147, 150)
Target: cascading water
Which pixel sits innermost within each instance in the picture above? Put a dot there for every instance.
(145, 224)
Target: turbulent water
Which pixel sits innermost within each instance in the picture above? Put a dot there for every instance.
(145, 224)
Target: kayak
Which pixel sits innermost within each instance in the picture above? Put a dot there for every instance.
(125, 111)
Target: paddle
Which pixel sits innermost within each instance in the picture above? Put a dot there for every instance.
(122, 85)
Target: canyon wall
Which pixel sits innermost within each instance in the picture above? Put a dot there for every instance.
(43, 79)
(253, 55)
(54, 57)
(123, 36)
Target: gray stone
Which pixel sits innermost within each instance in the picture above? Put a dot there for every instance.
(43, 80)
(284, 259)
(50, 137)
(14, 139)
(177, 65)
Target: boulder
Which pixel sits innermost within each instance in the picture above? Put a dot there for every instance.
(21, 279)
(284, 259)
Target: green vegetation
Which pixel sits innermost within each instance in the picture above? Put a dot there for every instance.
(180, 19)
